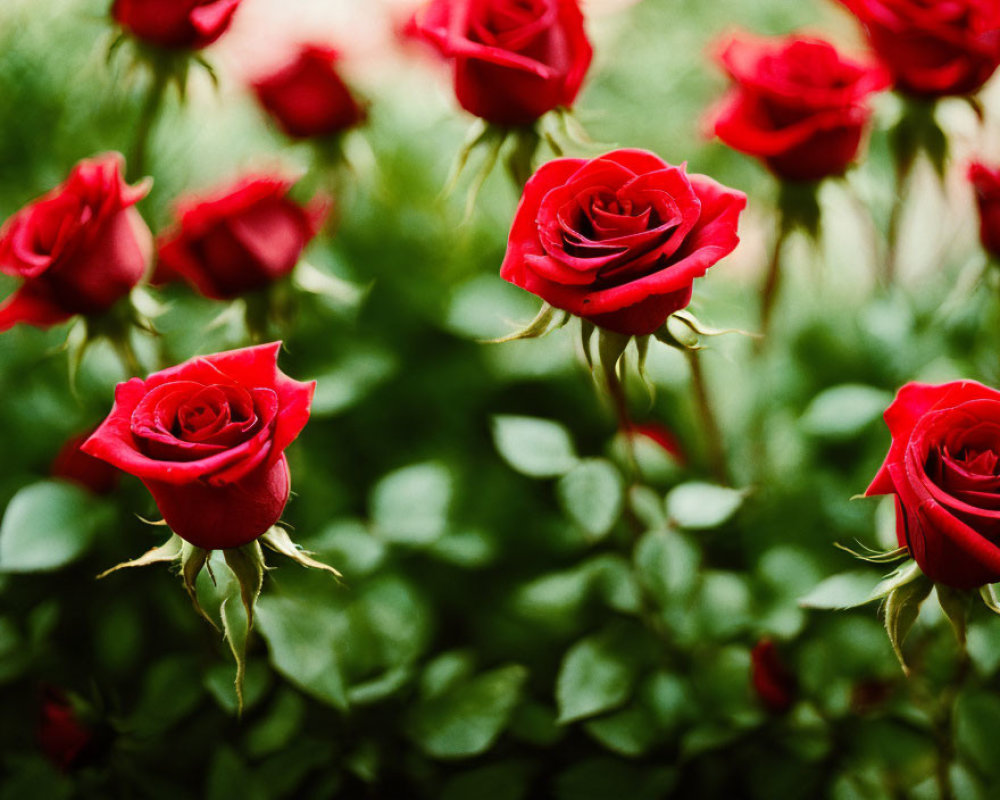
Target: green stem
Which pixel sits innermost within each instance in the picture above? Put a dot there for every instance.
(147, 117)
(616, 390)
(715, 449)
(944, 726)
(904, 168)
(772, 281)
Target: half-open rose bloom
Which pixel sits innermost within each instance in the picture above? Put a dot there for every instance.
(619, 239)
(797, 104)
(239, 239)
(79, 248)
(986, 182)
(208, 438)
(175, 24)
(514, 60)
(933, 47)
(943, 469)
(307, 97)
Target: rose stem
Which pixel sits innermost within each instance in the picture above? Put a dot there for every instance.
(944, 726)
(616, 389)
(903, 170)
(144, 127)
(769, 292)
(713, 437)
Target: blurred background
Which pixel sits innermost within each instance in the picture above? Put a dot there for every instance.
(515, 621)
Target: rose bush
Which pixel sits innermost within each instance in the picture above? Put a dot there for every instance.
(207, 438)
(942, 468)
(986, 183)
(307, 97)
(175, 24)
(513, 61)
(933, 48)
(79, 248)
(619, 239)
(238, 239)
(797, 104)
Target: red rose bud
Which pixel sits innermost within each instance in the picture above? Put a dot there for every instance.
(175, 24)
(207, 438)
(514, 60)
(942, 467)
(72, 464)
(986, 181)
(79, 249)
(797, 104)
(933, 49)
(307, 97)
(619, 239)
(662, 436)
(771, 679)
(61, 735)
(240, 239)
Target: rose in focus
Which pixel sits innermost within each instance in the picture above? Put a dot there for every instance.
(239, 239)
(933, 48)
(307, 97)
(175, 24)
(207, 438)
(79, 249)
(797, 104)
(619, 239)
(514, 60)
(942, 467)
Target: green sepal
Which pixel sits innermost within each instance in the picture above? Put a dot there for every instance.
(916, 132)
(798, 202)
(902, 605)
(989, 597)
(586, 335)
(247, 565)
(677, 334)
(193, 559)
(168, 551)
(278, 540)
(956, 604)
(875, 556)
(544, 322)
(521, 155)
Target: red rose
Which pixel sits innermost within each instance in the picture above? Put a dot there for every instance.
(80, 248)
(208, 440)
(61, 734)
(307, 97)
(619, 239)
(239, 239)
(933, 47)
(514, 60)
(72, 464)
(798, 105)
(986, 182)
(942, 467)
(771, 679)
(191, 24)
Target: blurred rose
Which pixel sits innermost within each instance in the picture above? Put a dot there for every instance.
(942, 468)
(514, 60)
(986, 182)
(191, 24)
(239, 239)
(933, 47)
(72, 464)
(619, 239)
(771, 679)
(208, 438)
(61, 734)
(79, 249)
(307, 97)
(797, 104)
(662, 436)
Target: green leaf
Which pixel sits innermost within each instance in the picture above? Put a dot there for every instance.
(901, 609)
(410, 506)
(354, 377)
(603, 778)
(667, 565)
(506, 780)
(591, 494)
(466, 720)
(48, 525)
(630, 732)
(842, 412)
(976, 715)
(700, 506)
(535, 447)
(229, 777)
(303, 648)
(596, 675)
